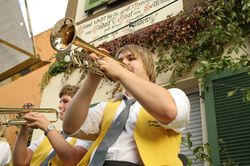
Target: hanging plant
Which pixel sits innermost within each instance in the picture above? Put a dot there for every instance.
(63, 64)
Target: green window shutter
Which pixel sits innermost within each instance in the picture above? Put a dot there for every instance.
(228, 118)
(90, 4)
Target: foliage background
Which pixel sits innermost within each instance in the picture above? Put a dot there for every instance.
(198, 37)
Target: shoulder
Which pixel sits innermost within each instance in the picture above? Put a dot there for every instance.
(34, 145)
(5, 156)
(4, 146)
(99, 105)
(179, 95)
(176, 91)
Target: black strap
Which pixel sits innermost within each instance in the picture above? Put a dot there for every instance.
(52, 154)
(118, 163)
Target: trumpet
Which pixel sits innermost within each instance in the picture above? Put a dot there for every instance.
(16, 118)
(63, 35)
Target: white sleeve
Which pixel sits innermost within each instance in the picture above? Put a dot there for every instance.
(183, 111)
(34, 145)
(5, 156)
(93, 121)
(83, 143)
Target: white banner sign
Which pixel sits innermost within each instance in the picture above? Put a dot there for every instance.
(127, 19)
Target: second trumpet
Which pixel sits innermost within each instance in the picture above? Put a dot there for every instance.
(12, 116)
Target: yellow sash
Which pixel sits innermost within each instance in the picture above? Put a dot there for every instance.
(156, 146)
(43, 151)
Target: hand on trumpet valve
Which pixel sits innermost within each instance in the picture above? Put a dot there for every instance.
(110, 67)
(28, 107)
(96, 57)
(36, 120)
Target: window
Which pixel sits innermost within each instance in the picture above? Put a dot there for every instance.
(90, 4)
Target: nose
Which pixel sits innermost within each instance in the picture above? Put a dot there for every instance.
(125, 61)
(60, 106)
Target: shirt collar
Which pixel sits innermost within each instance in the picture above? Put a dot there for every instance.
(120, 96)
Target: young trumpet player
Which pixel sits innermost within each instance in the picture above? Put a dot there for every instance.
(52, 148)
(151, 135)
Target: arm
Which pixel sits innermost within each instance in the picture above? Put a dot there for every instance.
(67, 153)
(78, 107)
(22, 155)
(155, 99)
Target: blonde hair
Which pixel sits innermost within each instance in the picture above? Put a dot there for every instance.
(145, 55)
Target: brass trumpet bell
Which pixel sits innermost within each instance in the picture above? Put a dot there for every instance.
(15, 115)
(63, 35)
